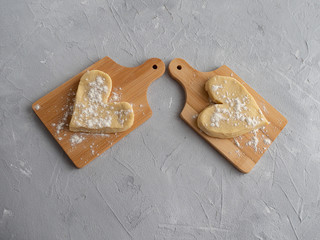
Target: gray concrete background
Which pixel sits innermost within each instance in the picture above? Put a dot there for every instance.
(162, 181)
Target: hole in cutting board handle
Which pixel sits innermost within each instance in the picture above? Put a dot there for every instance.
(179, 67)
(155, 66)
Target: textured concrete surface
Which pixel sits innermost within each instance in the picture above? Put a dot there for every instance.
(162, 181)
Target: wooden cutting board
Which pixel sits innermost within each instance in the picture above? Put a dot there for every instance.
(238, 151)
(128, 85)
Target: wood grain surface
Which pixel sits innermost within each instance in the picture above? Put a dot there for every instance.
(131, 85)
(238, 151)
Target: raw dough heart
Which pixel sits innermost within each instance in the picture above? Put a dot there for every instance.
(92, 112)
(235, 112)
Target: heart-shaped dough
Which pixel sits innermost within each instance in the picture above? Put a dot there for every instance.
(235, 112)
(92, 113)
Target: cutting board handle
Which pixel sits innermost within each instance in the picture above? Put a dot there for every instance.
(158, 68)
(148, 71)
(178, 68)
(190, 79)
